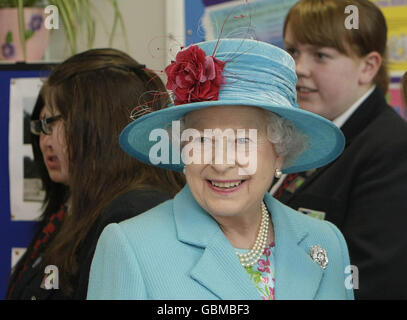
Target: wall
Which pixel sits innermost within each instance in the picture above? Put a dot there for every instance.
(148, 25)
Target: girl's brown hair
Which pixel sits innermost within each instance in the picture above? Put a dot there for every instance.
(322, 23)
(96, 92)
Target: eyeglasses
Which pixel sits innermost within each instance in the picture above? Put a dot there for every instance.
(43, 125)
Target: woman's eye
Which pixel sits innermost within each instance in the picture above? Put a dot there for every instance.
(242, 140)
(48, 127)
(204, 140)
(320, 55)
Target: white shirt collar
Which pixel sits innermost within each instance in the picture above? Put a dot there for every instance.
(339, 121)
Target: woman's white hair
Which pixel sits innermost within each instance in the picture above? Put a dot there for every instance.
(287, 139)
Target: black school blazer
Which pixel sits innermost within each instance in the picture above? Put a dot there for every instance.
(364, 193)
(124, 207)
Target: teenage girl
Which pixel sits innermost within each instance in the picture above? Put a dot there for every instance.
(342, 76)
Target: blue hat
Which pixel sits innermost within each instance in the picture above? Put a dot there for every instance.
(253, 73)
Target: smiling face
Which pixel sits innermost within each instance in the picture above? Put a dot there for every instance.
(329, 82)
(54, 149)
(220, 188)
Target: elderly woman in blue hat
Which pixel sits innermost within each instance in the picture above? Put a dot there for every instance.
(234, 126)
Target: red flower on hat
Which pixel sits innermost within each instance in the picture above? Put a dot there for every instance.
(194, 77)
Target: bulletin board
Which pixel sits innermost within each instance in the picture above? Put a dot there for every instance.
(260, 19)
(395, 12)
(15, 229)
(204, 19)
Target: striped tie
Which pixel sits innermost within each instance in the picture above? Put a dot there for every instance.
(287, 181)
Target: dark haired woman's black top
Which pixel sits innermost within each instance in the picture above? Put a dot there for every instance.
(30, 282)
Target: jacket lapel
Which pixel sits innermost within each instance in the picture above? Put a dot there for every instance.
(364, 114)
(287, 196)
(218, 269)
(312, 177)
(360, 119)
(297, 275)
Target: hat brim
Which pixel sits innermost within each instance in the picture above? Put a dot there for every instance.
(326, 141)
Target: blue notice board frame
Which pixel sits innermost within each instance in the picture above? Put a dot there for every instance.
(12, 233)
(194, 9)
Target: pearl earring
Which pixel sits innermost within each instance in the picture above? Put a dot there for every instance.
(278, 174)
(184, 170)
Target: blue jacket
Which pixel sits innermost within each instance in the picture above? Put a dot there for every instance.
(177, 251)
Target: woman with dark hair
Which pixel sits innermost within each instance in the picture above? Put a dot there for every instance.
(89, 181)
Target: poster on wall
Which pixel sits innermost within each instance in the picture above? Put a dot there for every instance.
(26, 192)
(16, 254)
(258, 19)
(395, 12)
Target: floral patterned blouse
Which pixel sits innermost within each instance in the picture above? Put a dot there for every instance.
(262, 272)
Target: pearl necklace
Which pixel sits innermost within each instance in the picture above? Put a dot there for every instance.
(250, 258)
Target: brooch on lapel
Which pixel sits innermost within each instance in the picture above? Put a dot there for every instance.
(319, 255)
